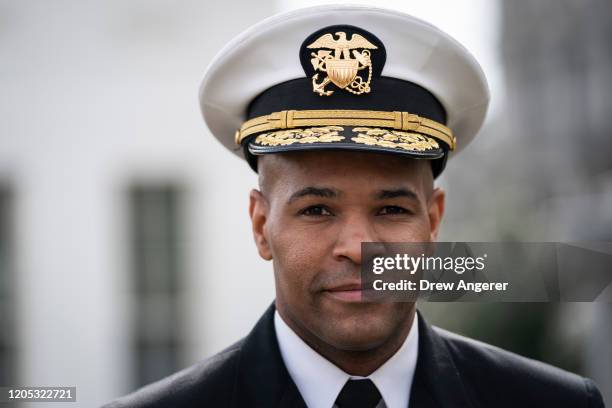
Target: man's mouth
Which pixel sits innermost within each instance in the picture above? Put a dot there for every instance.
(348, 292)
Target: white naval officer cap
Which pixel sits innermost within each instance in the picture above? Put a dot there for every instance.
(344, 77)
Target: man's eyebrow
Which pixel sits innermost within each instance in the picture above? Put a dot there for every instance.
(400, 192)
(313, 191)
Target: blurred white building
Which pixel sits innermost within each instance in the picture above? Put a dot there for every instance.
(117, 188)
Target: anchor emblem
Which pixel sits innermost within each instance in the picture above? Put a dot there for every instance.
(342, 69)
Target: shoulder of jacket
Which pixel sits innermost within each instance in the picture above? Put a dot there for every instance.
(209, 381)
(489, 371)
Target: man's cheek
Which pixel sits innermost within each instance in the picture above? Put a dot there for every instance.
(299, 271)
(417, 231)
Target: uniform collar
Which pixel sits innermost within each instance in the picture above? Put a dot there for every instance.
(319, 381)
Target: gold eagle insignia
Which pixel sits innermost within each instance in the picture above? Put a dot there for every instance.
(341, 68)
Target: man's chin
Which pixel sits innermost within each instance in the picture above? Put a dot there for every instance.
(361, 326)
(363, 339)
(358, 331)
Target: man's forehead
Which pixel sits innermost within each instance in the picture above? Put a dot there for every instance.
(342, 172)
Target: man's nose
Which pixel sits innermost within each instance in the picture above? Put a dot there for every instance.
(353, 230)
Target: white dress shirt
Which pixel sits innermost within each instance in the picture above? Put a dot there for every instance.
(320, 381)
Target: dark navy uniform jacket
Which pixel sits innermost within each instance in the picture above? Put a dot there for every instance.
(452, 371)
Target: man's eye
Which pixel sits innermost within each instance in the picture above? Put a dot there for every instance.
(316, 211)
(392, 210)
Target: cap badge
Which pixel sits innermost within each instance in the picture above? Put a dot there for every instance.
(334, 58)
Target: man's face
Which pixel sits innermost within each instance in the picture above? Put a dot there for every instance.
(314, 211)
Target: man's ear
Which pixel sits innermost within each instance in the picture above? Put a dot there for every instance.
(258, 211)
(436, 212)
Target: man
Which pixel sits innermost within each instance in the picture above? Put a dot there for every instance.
(348, 114)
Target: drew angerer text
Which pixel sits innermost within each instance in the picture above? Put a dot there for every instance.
(425, 285)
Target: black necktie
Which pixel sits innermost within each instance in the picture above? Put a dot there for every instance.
(358, 394)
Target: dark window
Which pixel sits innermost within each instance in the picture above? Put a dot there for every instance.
(157, 270)
(7, 288)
